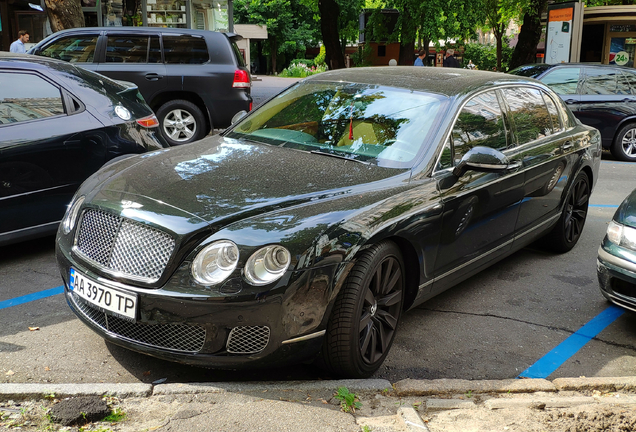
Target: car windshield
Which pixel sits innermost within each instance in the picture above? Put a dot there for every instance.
(382, 125)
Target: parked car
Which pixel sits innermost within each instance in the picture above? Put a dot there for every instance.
(601, 96)
(316, 220)
(616, 265)
(195, 80)
(58, 125)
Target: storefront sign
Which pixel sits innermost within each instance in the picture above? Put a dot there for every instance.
(559, 35)
(621, 58)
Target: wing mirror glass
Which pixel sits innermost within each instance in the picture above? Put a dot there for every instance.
(483, 159)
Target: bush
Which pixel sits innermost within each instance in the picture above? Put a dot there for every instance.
(485, 56)
(301, 70)
(363, 57)
(322, 55)
(307, 62)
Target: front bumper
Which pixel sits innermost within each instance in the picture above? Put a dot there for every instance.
(201, 329)
(617, 278)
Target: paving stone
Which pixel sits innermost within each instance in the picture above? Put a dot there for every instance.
(448, 404)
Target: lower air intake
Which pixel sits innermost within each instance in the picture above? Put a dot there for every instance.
(248, 339)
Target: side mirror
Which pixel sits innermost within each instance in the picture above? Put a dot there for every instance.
(483, 159)
(239, 115)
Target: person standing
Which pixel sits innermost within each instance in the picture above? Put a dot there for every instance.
(419, 61)
(450, 60)
(18, 45)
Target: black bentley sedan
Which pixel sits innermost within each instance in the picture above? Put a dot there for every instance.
(58, 125)
(616, 267)
(308, 228)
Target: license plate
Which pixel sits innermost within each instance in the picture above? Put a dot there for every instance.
(104, 297)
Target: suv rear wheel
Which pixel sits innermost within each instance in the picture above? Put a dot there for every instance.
(181, 122)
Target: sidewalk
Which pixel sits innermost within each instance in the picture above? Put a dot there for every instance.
(564, 404)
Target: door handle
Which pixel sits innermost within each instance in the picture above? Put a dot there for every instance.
(570, 101)
(514, 165)
(153, 77)
(568, 145)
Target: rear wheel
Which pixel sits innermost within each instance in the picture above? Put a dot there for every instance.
(181, 122)
(366, 313)
(624, 146)
(570, 226)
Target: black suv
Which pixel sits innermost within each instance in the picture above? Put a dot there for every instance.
(601, 96)
(195, 80)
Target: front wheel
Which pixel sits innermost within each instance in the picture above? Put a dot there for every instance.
(570, 226)
(181, 122)
(366, 313)
(624, 146)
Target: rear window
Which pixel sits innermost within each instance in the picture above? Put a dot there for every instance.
(237, 53)
(185, 49)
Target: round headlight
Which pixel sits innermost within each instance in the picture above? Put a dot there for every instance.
(215, 262)
(267, 265)
(71, 215)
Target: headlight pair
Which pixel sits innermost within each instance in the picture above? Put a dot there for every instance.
(621, 235)
(218, 260)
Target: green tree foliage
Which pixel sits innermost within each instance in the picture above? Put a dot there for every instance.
(485, 56)
(290, 26)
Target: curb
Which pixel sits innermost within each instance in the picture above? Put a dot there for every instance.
(407, 387)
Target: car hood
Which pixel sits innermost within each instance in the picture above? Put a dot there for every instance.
(220, 180)
(626, 212)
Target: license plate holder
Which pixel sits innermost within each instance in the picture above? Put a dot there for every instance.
(106, 298)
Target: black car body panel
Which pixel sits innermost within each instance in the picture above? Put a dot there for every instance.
(206, 81)
(616, 265)
(330, 204)
(44, 159)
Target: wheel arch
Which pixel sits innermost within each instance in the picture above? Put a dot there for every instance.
(624, 122)
(162, 98)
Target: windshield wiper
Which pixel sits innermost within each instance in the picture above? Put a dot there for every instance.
(339, 157)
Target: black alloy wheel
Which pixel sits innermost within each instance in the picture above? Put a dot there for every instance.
(570, 226)
(366, 313)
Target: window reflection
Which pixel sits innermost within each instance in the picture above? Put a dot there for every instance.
(530, 115)
(25, 97)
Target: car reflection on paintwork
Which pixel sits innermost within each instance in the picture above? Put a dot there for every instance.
(304, 231)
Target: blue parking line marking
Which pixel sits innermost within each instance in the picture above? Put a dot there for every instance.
(566, 349)
(31, 297)
(604, 205)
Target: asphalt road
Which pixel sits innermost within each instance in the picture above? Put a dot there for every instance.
(492, 326)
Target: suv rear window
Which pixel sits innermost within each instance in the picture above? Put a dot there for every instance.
(237, 53)
(185, 49)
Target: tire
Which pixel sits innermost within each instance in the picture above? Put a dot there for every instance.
(568, 229)
(366, 313)
(181, 122)
(624, 146)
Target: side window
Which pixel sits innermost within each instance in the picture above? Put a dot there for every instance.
(184, 49)
(563, 80)
(480, 123)
(600, 81)
(74, 49)
(554, 113)
(127, 49)
(627, 83)
(529, 114)
(25, 97)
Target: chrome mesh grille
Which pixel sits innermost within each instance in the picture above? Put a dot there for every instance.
(124, 246)
(175, 337)
(248, 339)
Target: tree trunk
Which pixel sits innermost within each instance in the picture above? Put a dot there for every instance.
(64, 14)
(526, 49)
(499, 32)
(329, 14)
(273, 49)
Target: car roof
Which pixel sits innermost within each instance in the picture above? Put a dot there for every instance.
(29, 61)
(446, 81)
(132, 30)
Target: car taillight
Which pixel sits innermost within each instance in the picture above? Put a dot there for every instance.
(251, 106)
(241, 79)
(149, 122)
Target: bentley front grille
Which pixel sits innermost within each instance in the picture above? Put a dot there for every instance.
(122, 246)
(248, 339)
(175, 337)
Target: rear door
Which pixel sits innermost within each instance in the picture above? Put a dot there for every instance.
(43, 156)
(606, 100)
(136, 58)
